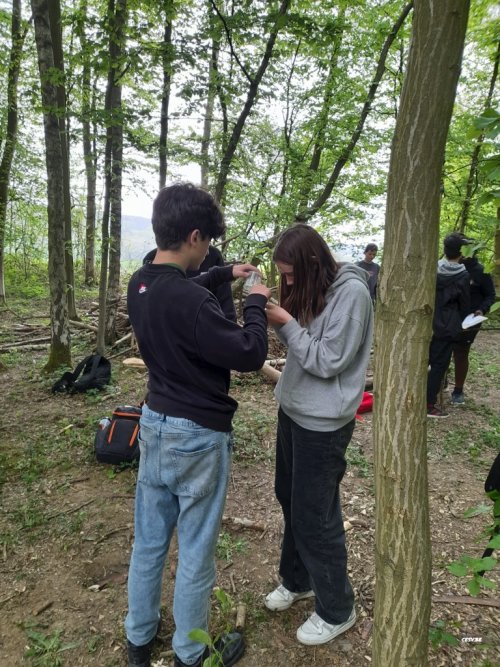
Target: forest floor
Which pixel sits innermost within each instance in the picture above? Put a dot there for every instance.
(66, 527)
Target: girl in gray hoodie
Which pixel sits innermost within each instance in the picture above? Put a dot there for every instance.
(326, 321)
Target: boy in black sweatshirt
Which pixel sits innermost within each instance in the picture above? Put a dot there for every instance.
(189, 348)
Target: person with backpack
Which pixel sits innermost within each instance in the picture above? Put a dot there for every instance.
(452, 305)
(326, 321)
(189, 348)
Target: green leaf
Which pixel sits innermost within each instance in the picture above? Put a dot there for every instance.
(474, 588)
(495, 542)
(199, 635)
(458, 569)
(495, 306)
(475, 511)
(487, 583)
(485, 564)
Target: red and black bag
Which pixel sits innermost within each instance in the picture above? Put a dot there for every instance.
(116, 440)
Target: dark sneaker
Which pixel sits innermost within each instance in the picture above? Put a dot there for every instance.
(139, 656)
(434, 411)
(230, 647)
(457, 398)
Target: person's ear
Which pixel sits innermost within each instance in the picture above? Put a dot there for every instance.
(194, 236)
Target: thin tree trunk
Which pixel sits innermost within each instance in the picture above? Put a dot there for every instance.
(403, 331)
(9, 147)
(322, 120)
(88, 141)
(471, 186)
(56, 34)
(60, 348)
(109, 286)
(167, 58)
(211, 94)
(344, 157)
(253, 88)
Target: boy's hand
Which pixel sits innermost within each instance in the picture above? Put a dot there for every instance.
(276, 314)
(244, 270)
(260, 289)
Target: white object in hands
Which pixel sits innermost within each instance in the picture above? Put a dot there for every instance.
(253, 279)
(471, 320)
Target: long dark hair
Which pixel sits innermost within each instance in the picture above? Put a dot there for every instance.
(314, 270)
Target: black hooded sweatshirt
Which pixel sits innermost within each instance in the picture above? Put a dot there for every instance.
(482, 289)
(189, 346)
(452, 300)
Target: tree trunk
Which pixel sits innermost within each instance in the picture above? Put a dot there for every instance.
(10, 135)
(60, 348)
(88, 142)
(322, 198)
(211, 94)
(56, 34)
(253, 88)
(403, 331)
(474, 163)
(109, 285)
(167, 58)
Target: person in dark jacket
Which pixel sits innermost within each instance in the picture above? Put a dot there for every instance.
(223, 293)
(482, 296)
(452, 305)
(189, 348)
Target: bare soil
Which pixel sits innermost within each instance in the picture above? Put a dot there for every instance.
(66, 528)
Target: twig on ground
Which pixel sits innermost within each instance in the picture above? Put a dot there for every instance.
(463, 599)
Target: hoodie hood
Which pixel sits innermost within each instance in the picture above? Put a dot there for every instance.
(450, 268)
(346, 273)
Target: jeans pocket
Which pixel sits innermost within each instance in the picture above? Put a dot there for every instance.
(197, 472)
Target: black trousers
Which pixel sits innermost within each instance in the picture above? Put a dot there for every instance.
(309, 468)
(439, 359)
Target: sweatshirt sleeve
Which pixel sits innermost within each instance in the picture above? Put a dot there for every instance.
(487, 292)
(464, 298)
(233, 347)
(341, 340)
(214, 277)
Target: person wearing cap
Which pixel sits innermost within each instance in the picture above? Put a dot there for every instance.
(452, 305)
(482, 296)
(371, 267)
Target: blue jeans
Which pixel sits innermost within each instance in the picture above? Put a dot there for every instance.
(182, 481)
(309, 468)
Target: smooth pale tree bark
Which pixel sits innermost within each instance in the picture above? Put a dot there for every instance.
(471, 185)
(403, 330)
(60, 348)
(18, 33)
(322, 198)
(56, 35)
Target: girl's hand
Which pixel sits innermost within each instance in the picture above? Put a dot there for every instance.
(244, 270)
(277, 315)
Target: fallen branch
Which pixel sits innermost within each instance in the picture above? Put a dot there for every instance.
(463, 599)
(122, 340)
(270, 372)
(70, 510)
(246, 523)
(241, 612)
(83, 325)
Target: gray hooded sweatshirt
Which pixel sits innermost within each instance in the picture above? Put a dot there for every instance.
(324, 376)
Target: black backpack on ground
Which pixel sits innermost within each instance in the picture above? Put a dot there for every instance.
(116, 440)
(95, 371)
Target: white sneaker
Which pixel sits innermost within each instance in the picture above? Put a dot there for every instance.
(317, 631)
(281, 598)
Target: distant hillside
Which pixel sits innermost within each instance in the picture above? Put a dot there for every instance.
(137, 237)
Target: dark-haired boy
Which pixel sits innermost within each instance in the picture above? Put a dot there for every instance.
(189, 347)
(373, 269)
(452, 305)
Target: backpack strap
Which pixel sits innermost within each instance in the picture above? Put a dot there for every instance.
(82, 365)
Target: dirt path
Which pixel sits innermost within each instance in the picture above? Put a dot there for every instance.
(67, 527)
